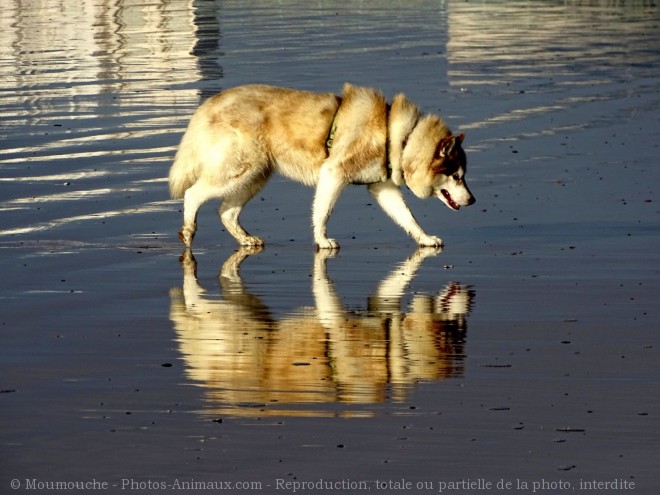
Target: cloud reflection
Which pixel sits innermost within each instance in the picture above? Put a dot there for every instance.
(321, 360)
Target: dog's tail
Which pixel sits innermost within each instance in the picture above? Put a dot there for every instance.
(184, 171)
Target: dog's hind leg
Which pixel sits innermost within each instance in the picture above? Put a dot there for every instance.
(194, 197)
(328, 189)
(391, 199)
(231, 207)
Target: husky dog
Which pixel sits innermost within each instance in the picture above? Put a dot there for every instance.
(238, 138)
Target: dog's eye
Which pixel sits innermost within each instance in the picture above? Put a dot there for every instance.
(456, 177)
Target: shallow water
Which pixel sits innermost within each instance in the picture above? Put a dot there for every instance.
(526, 350)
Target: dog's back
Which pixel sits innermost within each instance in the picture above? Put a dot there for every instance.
(259, 125)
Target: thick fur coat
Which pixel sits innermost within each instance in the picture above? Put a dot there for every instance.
(238, 138)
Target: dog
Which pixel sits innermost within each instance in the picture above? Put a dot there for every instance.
(239, 137)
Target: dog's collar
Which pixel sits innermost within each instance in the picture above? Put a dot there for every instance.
(404, 143)
(407, 136)
(333, 127)
(388, 163)
(331, 134)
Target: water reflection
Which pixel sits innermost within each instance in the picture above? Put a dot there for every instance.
(556, 67)
(538, 45)
(252, 362)
(56, 50)
(94, 95)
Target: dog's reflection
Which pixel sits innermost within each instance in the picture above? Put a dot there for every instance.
(251, 362)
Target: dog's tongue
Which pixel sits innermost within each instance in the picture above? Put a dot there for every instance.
(450, 200)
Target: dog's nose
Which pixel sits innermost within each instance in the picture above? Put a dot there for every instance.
(472, 200)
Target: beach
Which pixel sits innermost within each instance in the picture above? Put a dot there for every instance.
(522, 357)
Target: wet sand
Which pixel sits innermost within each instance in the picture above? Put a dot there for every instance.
(521, 358)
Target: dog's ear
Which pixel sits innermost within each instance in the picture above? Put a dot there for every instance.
(443, 147)
(449, 145)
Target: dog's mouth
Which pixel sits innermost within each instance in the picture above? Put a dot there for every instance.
(450, 201)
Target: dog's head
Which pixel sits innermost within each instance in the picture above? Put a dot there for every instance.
(449, 169)
(434, 164)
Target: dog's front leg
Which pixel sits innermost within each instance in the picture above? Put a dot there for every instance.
(391, 200)
(328, 189)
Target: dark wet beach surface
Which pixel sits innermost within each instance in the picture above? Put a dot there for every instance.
(525, 351)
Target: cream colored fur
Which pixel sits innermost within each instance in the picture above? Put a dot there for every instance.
(237, 139)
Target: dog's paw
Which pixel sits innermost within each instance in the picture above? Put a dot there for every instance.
(430, 241)
(245, 251)
(186, 236)
(252, 240)
(327, 244)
